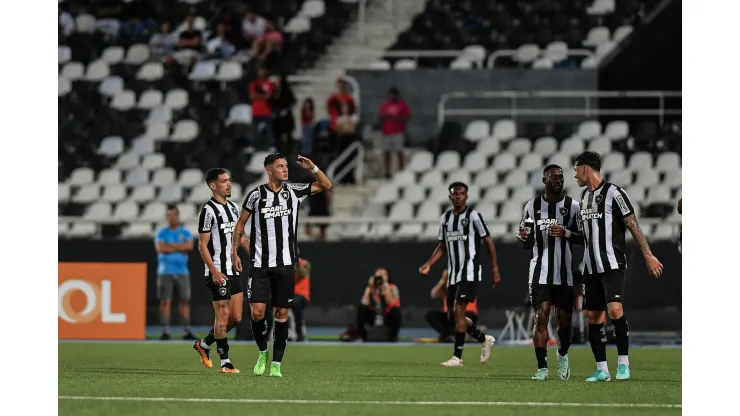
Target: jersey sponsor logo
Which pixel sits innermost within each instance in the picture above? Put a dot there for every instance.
(456, 236)
(207, 222)
(275, 212)
(591, 214)
(228, 227)
(543, 223)
(621, 203)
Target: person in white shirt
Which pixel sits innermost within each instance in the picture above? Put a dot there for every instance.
(253, 26)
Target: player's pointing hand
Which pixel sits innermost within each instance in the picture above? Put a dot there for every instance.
(305, 162)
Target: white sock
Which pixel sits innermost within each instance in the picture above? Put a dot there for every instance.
(262, 352)
(276, 362)
(223, 362)
(602, 366)
(204, 345)
(623, 359)
(562, 356)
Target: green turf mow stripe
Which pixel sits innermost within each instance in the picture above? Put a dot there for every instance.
(372, 402)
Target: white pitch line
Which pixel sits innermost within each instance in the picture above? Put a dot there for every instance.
(371, 402)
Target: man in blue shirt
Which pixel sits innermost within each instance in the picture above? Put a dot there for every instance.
(173, 243)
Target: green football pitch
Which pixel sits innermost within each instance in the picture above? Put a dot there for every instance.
(351, 379)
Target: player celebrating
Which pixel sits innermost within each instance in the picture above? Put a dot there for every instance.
(606, 211)
(215, 226)
(461, 230)
(554, 216)
(274, 250)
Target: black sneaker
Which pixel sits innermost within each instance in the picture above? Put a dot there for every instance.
(188, 336)
(164, 337)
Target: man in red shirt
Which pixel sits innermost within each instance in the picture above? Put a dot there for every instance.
(260, 91)
(395, 113)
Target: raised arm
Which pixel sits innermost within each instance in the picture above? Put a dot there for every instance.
(322, 182)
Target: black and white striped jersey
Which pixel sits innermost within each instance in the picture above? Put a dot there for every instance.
(219, 220)
(274, 223)
(552, 258)
(462, 234)
(602, 212)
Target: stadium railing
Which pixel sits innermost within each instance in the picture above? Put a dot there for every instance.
(590, 106)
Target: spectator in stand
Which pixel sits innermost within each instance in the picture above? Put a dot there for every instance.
(189, 43)
(307, 126)
(268, 46)
(220, 46)
(260, 91)
(334, 103)
(108, 16)
(282, 104)
(138, 19)
(395, 113)
(253, 26)
(66, 21)
(163, 44)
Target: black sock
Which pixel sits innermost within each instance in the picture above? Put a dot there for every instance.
(597, 338)
(541, 353)
(459, 344)
(281, 341)
(222, 346)
(474, 332)
(259, 332)
(622, 333)
(566, 337)
(210, 338)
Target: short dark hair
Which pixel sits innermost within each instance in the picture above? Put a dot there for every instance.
(213, 174)
(454, 185)
(551, 166)
(171, 207)
(272, 157)
(590, 159)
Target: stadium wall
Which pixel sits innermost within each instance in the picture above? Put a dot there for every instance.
(340, 272)
(423, 88)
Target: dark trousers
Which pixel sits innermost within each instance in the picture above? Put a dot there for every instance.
(391, 320)
(299, 305)
(442, 323)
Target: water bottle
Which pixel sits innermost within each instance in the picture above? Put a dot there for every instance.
(529, 227)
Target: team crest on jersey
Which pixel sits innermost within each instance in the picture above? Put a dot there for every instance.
(465, 222)
(284, 195)
(236, 214)
(599, 198)
(563, 211)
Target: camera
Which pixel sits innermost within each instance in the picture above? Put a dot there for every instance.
(378, 280)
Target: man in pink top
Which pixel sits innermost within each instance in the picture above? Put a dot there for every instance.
(395, 113)
(267, 43)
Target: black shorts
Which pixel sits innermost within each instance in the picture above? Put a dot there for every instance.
(562, 297)
(233, 286)
(273, 285)
(463, 291)
(603, 288)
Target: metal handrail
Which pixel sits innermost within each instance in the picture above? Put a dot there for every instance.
(358, 163)
(588, 110)
(352, 81)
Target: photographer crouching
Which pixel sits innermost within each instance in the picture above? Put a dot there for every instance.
(380, 306)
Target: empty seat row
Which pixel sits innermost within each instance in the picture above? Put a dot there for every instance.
(506, 129)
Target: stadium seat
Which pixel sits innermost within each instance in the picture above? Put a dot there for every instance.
(504, 162)
(475, 162)
(164, 177)
(137, 230)
(613, 162)
(658, 194)
(111, 146)
(617, 130)
(601, 145)
(486, 178)
(668, 161)
(199, 195)
(126, 211)
(64, 192)
(185, 131)
(516, 178)
(81, 176)
(477, 130)
(488, 147)
(429, 212)
(142, 193)
(414, 194)
(448, 161)
(431, 178)
(123, 101)
(522, 195)
(496, 194)
(504, 130)
(387, 193)
(187, 213)
(153, 161)
(81, 229)
(421, 161)
(170, 194)
(404, 178)
(191, 177)
(114, 193)
(488, 212)
(531, 162)
(519, 147)
(143, 146)
(98, 211)
(137, 54)
(405, 64)
(111, 86)
(647, 178)
(240, 114)
(459, 176)
(111, 176)
(87, 194)
(572, 147)
(545, 146)
(409, 231)
(150, 99)
(639, 160)
(510, 211)
(401, 210)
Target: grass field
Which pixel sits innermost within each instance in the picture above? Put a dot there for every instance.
(164, 379)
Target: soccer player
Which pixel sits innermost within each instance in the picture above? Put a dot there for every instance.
(606, 211)
(461, 231)
(215, 227)
(551, 281)
(273, 208)
(173, 243)
(439, 319)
